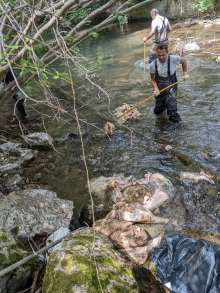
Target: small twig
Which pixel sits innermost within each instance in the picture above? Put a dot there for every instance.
(25, 290)
(35, 281)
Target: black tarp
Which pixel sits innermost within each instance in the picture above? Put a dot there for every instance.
(185, 265)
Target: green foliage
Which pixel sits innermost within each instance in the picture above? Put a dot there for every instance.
(122, 19)
(12, 3)
(204, 5)
(2, 61)
(94, 35)
(44, 74)
(76, 50)
(40, 50)
(74, 17)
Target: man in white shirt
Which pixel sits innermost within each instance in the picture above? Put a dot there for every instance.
(160, 28)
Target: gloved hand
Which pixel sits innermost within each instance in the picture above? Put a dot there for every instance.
(156, 92)
(185, 76)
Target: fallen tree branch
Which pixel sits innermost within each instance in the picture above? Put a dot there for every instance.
(30, 257)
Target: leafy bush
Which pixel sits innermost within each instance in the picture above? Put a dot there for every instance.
(204, 5)
(73, 18)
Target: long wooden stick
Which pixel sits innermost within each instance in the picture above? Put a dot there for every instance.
(144, 59)
(161, 91)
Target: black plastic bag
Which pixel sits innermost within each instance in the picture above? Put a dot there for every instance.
(185, 265)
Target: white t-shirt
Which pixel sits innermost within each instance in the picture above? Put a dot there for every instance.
(160, 25)
(162, 67)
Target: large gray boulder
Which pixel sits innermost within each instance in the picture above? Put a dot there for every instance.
(34, 211)
(170, 8)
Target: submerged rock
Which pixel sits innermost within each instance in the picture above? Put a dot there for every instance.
(200, 199)
(190, 22)
(12, 157)
(196, 177)
(87, 263)
(13, 183)
(39, 140)
(192, 47)
(34, 211)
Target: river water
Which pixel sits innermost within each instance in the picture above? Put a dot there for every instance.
(113, 61)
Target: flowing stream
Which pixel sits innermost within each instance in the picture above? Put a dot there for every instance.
(115, 59)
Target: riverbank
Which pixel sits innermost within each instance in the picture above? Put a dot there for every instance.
(194, 145)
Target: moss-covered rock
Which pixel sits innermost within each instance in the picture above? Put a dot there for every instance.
(10, 253)
(9, 250)
(87, 263)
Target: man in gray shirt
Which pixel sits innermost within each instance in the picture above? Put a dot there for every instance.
(163, 73)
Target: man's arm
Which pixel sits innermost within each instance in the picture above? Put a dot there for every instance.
(152, 32)
(150, 35)
(155, 88)
(169, 28)
(183, 62)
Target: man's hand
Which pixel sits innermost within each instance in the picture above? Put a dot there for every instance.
(156, 92)
(185, 76)
(145, 40)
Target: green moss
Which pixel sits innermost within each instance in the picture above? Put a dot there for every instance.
(77, 267)
(2, 260)
(3, 236)
(83, 239)
(63, 280)
(11, 251)
(115, 264)
(119, 289)
(11, 255)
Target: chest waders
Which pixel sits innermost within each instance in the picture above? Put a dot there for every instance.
(19, 100)
(167, 99)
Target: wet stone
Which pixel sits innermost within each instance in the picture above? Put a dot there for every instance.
(34, 211)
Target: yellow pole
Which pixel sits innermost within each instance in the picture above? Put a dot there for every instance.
(161, 91)
(144, 58)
